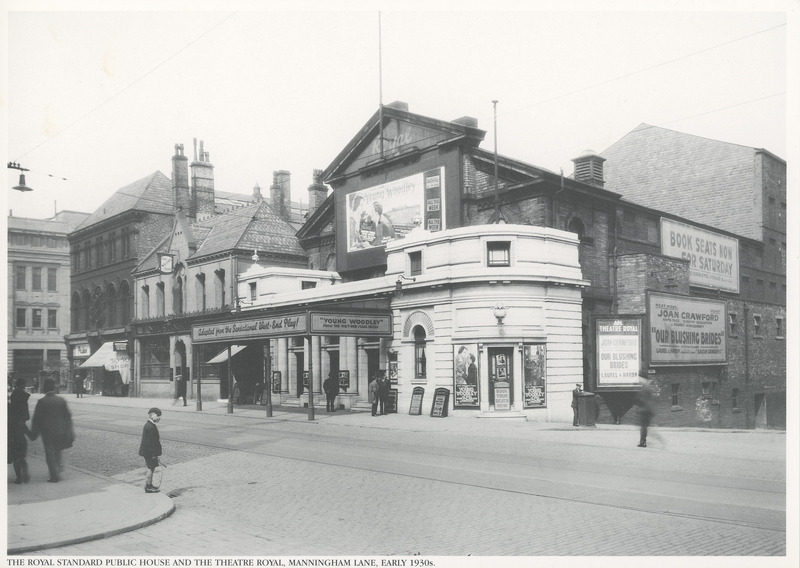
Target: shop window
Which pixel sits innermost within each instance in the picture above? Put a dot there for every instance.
(52, 319)
(756, 325)
(415, 263)
(36, 318)
(779, 328)
(676, 396)
(21, 274)
(498, 253)
(420, 360)
(735, 400)
(22, 318)
(52, 281)
(732, 328)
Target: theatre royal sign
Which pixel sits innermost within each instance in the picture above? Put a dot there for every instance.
(304, 323)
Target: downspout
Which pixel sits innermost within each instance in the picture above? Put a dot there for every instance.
(746, 369)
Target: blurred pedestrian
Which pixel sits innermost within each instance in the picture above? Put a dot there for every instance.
(18, 415)
(52, 419)
(331, 388)
(372, 389)
(644, 401)
(576, 392)
(180, 389)
(383, 394)
(78, 388)
(150, 448)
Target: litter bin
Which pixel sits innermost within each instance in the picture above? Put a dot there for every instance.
(587, 409)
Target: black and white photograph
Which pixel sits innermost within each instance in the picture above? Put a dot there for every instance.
(401, 284)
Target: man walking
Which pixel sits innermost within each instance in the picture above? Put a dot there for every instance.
(150, 448)
(575, 394)
(52, 419)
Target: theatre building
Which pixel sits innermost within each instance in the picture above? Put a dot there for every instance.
(484, 286)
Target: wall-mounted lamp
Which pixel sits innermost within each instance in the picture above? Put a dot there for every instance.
(398, 285)
(500, 312)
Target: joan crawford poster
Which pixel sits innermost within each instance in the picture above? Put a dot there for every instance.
(466, 376)
(389, 211)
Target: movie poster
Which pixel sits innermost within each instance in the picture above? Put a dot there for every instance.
(466, 376)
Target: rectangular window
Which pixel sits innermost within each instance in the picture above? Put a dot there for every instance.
(735, 399)
(36, 278)
(415, 263)
(21, 274)
(498, 253)
(52, 281)
(145, 305)
(307, 285)
(778, 328)
(732, 330)
(676, 395)
(757, 325)
(36, 318)
(52, 319)
(253, 292)
(22, 319)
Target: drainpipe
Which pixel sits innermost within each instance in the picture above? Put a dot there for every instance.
(746, 368)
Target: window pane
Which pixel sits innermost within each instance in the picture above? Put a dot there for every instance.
(21, 270)
(52, 319)
(36, 317)
(499, 254)
(51, 279)
(21, 317)
(36, 278)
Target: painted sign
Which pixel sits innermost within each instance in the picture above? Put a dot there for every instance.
(276, 382)
(534, 367)
(415, 408)
(686, 331)
(502, 396)
(344, 380)
(618, 351)
(359, 325)
(250, 329)
(713, 258)
(81, 350)
(386, 212)
(440, 405)
(465, 363)
(120, 346)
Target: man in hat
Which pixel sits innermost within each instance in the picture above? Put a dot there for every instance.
(52, 419)
(150, 448)
(575, 393)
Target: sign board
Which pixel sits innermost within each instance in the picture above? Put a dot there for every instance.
(686, 331)
(358, 325)
(306, 379)
(713, 258)
(502, 396)
(344, 380)
(441, 398)
(392, 402)
(618, 351)
(276, 382)
(534, 368)
(81, 350)
(241, 329)
(465, 374)
(416, 401)
(120, 346)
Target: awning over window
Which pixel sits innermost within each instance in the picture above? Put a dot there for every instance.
(111, 360)
(223, 356)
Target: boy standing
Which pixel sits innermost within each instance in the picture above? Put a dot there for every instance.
(150, 448)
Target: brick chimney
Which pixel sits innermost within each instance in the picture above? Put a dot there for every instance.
(317, 192)
(589, 168)
(181, 197)
(281, 193)
(202, 185)
(257, 197)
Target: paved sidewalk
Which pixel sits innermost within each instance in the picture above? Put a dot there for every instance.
(86, 506)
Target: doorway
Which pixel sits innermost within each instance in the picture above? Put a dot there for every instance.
(501, 377)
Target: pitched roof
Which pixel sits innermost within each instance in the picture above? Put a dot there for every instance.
(152, 194)
(252, 227)
(700, 179)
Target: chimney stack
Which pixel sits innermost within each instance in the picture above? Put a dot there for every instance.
(257, 197)
(317, 192)
(180, 180)
(589, 168)
(281, 193)
(203, 202)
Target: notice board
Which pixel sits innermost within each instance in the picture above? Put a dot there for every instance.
(392, 406)
(441, 400)
(416, 401)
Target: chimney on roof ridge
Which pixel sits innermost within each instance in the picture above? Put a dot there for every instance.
(203, 200)
(317, 192)
(281, 193)
(257, 197)
(181, 195)
(589, 168)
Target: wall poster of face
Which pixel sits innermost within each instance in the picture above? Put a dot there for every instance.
(534, 359)
(465, 366)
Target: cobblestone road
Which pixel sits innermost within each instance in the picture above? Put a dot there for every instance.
(246, 502)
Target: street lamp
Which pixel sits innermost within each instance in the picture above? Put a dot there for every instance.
(21, 186)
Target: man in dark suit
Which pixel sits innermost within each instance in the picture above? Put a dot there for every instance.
(150, 448)
(575, 393)
(52, 419)
(331, 388)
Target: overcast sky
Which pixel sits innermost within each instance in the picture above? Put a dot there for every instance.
(101, 98)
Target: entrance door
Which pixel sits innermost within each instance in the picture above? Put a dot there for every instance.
(373, 363)
(501, 377)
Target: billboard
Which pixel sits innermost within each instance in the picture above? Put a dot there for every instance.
(713, 258)
(686, 331)
(379, 214)
(618, 351)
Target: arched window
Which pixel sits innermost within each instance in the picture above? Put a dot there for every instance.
(111, 306)
(87, 300)
(219, 288)
(160, 300)
(200, 292)
(125, 302)
(420, 360)
(75, 313)
(177, 294)
(144, 307)
(576, 226)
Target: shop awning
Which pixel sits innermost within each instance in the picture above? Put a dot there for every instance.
(223, 356)
(111, 360)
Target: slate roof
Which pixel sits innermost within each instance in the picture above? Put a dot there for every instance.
(62, 223)
(152, 194)
(252, 227)
(703, 180)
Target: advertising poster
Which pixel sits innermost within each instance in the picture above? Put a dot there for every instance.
(618, 351)
(380, 214)
(686, 331)
(466, 376)
(534, 360)
(713, 258)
